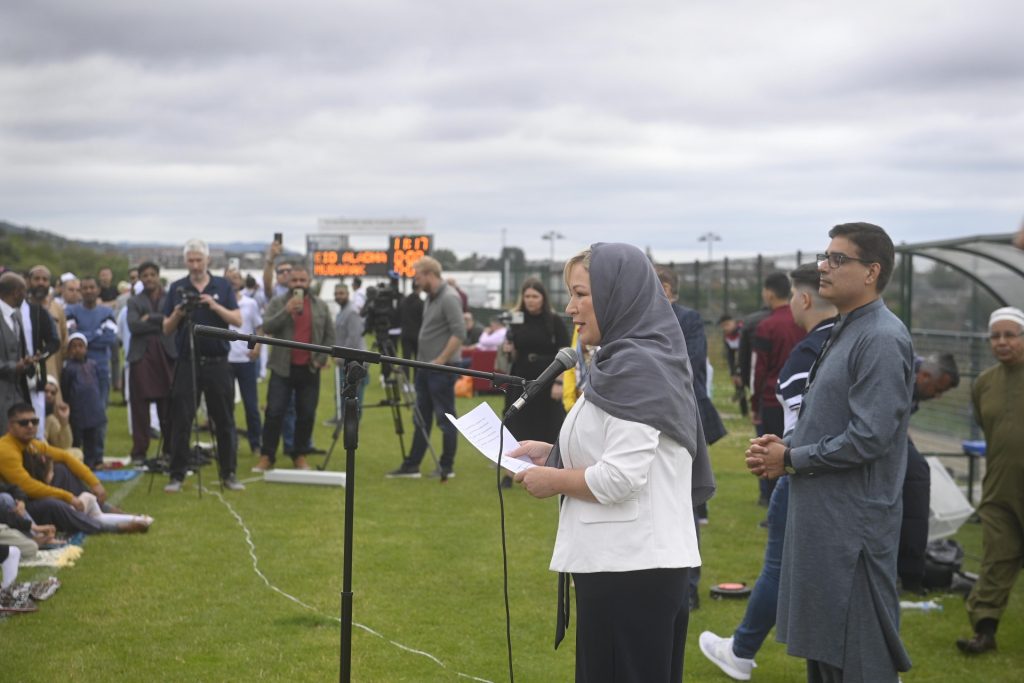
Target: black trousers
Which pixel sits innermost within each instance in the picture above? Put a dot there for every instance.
(217, 385)
(773, 421)
(304, 387)
(917, 489)
(631, 626)
(60, 514)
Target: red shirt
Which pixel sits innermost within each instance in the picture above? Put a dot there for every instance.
(774, 338)
(303, 332)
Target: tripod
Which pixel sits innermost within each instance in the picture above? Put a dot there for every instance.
(195, 453)
(354, 375)
(397, 389)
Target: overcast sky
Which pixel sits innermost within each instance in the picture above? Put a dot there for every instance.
(648, 122)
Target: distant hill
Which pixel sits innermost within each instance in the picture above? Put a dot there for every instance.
(36, 233)
(22, 247)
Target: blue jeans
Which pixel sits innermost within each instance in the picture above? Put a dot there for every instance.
(435, 396)
(301, 387)
(288, 430)
(288, 426)
(761, 608)
(7, 503)
(246, 374)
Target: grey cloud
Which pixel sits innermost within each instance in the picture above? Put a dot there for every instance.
(652, 120)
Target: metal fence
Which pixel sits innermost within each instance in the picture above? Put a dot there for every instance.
(948, 309)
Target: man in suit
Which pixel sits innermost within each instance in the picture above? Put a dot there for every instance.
(16, 365)
(151, 357)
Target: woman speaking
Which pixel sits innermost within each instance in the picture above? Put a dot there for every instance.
(633, 462)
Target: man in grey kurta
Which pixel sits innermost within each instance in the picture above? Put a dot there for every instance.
(838, 602)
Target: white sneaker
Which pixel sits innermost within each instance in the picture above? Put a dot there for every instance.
(719, 651)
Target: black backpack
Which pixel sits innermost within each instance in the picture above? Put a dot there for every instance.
(943, 560)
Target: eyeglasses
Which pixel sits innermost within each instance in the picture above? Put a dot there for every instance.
(34, 421)
(1008, 336)
(836, 259)
(282, 271)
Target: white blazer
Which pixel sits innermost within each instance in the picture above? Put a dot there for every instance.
(641, 477)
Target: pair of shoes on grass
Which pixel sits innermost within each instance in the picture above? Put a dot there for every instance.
(413, 472)
(17, 599)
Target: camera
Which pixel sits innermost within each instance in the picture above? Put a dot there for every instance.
(511, 317)
(382, 307)
(189, 299)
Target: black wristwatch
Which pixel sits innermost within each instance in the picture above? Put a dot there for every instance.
(787, 462)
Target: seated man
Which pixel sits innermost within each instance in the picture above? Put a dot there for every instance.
(17, 527)
(61, 490)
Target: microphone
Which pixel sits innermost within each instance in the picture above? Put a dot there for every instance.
(564, 359)
(220, 333)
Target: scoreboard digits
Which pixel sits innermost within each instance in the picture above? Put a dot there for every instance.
(407, 250)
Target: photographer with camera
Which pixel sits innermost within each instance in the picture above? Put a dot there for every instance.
(201, 299)
(299, 317)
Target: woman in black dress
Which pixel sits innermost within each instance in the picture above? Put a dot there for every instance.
(533, 344)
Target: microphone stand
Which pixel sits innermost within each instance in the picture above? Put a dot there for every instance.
(353, 377)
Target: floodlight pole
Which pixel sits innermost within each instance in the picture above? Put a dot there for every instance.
(551, 235)
(710, 238)
(353, 377)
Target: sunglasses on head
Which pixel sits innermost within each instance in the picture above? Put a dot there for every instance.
(34, 421)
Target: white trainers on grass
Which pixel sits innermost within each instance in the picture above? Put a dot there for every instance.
(719, 651)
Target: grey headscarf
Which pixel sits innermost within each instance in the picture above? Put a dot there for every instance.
(641, 372)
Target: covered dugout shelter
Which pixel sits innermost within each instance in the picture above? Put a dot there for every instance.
(989, 262)
(946, 291)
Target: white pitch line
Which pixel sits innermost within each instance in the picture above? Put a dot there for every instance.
(297, 601)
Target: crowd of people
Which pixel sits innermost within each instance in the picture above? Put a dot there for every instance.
(833, 378)
(55, 377)
(622, 438)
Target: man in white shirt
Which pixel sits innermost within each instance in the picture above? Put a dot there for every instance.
(15, 362)
(244, 362)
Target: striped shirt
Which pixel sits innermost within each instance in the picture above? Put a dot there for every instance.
(789, 389)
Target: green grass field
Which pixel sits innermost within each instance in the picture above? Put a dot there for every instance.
(245, 586)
